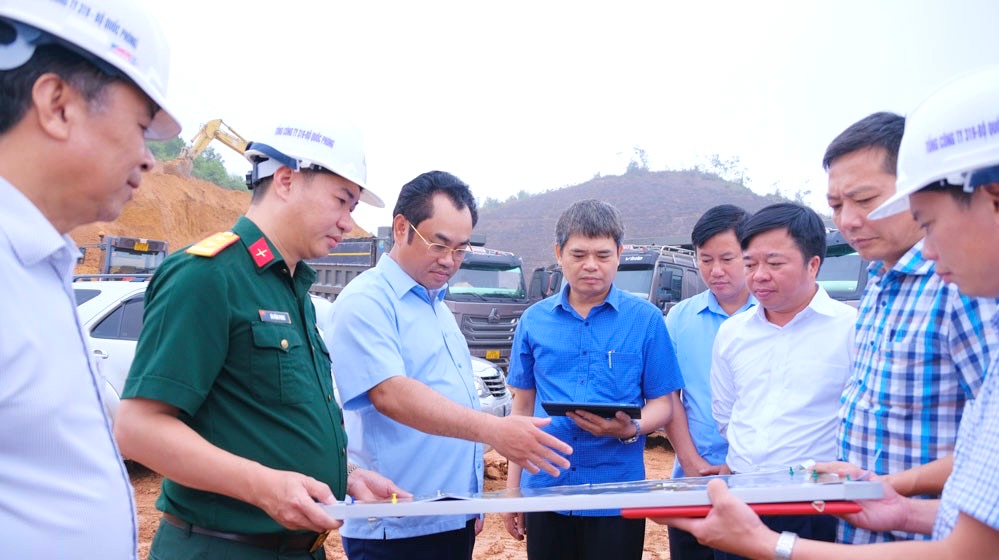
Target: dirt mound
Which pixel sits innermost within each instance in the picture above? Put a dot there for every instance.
(179, 210)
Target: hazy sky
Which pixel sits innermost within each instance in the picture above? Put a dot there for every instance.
(539, 95)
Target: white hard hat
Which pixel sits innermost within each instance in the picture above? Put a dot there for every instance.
(118, 36)
(299, 146)
(952, 137)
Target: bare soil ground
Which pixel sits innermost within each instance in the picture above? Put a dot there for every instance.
(492, 544)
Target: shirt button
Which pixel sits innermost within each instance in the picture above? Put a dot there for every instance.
(587, 323)
(284, 343)
(329, 398)
(584, 352)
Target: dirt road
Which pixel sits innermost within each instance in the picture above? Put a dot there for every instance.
(492, 544)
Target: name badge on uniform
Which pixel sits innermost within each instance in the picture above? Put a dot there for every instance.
(275, 317)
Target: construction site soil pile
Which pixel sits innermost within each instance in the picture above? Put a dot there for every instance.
(176, 209)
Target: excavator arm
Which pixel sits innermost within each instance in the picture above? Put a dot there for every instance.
(214, 129)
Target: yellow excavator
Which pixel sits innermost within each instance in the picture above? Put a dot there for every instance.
(214, 129)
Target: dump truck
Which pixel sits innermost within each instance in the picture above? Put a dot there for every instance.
(487, 295)
(126, 256)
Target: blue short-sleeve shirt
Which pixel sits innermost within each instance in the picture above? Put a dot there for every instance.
(619, 353)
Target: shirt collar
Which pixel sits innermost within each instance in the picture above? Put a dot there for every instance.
(402, 283)
(911, 263)
(32, 237)
(821, 303)
(612, 299)
(711, 304)
(249, 234)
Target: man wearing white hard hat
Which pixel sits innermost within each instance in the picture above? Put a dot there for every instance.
(948, 176)
(80, 99)
(230, 395)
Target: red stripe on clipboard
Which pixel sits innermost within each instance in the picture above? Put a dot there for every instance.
(779, 508)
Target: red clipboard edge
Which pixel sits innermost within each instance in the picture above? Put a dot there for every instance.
(835, 507)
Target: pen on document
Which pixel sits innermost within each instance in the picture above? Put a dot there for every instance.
(610, 361)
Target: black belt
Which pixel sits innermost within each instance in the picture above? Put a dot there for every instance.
(285, 542)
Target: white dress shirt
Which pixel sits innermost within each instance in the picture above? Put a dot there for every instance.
(776, 390)
(64, 492)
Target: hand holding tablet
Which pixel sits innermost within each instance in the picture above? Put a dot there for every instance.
(604, 410)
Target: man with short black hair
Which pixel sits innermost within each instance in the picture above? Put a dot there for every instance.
(692, 325)
(405, 377)
(777, 372)
(591, 343)
(921, 346)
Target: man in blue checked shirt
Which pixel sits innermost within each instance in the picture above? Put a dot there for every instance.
(921, 347)
(591, 343)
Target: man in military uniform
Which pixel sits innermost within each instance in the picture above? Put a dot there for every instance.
(230, 395)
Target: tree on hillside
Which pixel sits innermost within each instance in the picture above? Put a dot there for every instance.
(166, 149)
(207, 166)
(491, 202)
(639, 162)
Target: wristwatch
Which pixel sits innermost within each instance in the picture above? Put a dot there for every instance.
(785, 545)
(638, 432)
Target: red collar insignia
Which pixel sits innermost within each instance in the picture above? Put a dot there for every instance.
(261, 252)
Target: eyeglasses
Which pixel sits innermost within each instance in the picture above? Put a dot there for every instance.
(438, 250)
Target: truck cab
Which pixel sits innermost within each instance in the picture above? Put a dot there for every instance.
(843, 273)
(662, 274)
(127, 255)
(487, 297)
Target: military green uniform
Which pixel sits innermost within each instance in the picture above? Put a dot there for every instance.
(230, 339)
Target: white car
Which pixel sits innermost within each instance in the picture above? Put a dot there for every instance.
(111, 313)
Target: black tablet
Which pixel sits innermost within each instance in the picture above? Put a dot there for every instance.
(604, 410)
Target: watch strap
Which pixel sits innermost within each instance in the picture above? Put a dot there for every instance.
(638, 432)
(785, 545)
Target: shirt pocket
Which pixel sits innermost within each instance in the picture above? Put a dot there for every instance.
(624, 371)
(279, 365)
(910, 376)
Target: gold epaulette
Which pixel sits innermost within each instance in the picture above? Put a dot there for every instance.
(211, 246)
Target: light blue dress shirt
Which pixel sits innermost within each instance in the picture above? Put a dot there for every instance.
(692, 325)
(64, 491)
(384, 324)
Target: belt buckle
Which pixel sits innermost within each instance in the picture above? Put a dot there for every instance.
(320, 539)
